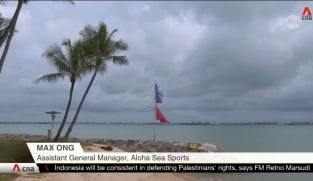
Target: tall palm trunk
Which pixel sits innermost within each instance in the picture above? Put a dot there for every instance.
(8, 34)
(66, 111)
(69, 130)
(14, 18)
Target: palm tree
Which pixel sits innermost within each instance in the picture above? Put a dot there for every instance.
(4, 23)
(8, 33)
(70, 64)
(99, 48)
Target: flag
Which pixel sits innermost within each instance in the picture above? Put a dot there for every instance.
(159, 115)
(158, 94)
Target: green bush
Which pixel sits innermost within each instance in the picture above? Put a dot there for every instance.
(14, 152)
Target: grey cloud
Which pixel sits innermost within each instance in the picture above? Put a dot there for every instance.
(213, 60)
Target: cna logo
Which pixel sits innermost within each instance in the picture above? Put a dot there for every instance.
(16, 168)
(306, 14)
(23, 168)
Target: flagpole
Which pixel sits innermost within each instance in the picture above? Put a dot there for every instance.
(154, 123)
(155, 104)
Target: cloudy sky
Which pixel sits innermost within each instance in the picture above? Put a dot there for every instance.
(214, 61)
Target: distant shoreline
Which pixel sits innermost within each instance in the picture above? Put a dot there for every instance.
(184, 123)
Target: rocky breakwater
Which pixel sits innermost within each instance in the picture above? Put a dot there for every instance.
(127, 145)
(157, 146)
(21, 137)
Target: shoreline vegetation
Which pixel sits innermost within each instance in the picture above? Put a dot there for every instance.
(183, 123)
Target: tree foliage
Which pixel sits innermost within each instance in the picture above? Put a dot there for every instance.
(69, 63)
(100, 48)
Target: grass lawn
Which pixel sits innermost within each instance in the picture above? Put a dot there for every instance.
(13, 152)
(8, 176)
(17, 152)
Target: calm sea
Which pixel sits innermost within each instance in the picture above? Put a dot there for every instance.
(230, 138)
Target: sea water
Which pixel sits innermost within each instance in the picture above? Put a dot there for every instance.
(229, 138)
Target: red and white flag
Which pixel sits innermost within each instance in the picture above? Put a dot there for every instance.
(159, 115)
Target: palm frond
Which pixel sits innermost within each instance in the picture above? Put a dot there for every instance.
(88, 32)
(120, 45)
(116, 46)
(102, 34)
(100, 47)
(53, 77)
(69, 52)
(4, 23)
(120, 60)
(55, 56)
(79, 60)
(68, 47)
(69, 58)
(102, 68)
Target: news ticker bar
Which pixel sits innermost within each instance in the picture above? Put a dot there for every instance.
(169, 168)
